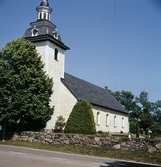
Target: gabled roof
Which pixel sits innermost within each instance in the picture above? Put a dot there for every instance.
(94, 94)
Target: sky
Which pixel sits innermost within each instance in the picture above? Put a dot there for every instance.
(114, 43)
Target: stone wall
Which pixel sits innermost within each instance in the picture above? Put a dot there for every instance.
(146, 145)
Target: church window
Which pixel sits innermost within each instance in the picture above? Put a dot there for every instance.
(56, 54)
(123, 122)
(107, 120)
(115, 121)
(48, 16)
(98, 118)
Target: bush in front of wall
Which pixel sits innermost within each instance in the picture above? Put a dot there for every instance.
(81, 119)
(60, 124)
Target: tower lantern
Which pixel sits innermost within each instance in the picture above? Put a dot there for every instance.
(44, 10)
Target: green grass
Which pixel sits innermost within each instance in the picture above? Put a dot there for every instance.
(92, 151)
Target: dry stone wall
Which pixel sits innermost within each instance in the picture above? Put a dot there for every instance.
(145, 145)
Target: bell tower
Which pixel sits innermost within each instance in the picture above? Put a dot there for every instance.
(49, 45)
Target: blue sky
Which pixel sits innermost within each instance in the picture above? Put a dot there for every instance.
(114, 43)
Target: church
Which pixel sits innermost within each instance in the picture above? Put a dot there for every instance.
(109, 115)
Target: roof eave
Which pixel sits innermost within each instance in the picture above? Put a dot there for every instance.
(47, 37)
(125, 112)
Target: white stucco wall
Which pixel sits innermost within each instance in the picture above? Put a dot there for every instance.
(67, 102)
(55, 69)
(63, 107)
(108, 126)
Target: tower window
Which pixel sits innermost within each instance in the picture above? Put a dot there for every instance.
(56, 34)
(45, 16)
(35, 31)
(48, 16)
(56, 54)
(40, 15)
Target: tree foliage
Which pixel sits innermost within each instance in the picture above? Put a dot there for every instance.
(127, 99)
(140, 107)
(60, 123)
(81, 119)
(25, 89)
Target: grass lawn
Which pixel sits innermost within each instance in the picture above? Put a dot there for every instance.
(93, 151)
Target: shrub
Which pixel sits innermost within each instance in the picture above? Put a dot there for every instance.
(100, 132)
(60, 123)
(81, 119)
(132, 127)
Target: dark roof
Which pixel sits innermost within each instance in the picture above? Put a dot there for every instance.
(46, 31)
(43, 27)
(94, 94)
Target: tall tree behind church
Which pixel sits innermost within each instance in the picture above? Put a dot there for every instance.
(139, 107)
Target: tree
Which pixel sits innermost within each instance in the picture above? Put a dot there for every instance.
(146, 120)
(146, 108)
(156, 107)
(133, 125)
(81, 119)
(143, 102)
(156, 128)
(25, 89)
(60, 123)
(138, 107)
(128, 100)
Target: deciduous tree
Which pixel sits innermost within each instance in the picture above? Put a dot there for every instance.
(25, 89)
(140, 107)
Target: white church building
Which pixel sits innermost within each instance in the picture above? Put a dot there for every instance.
(109, 114)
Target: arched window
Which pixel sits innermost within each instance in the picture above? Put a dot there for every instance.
(107, 120)
(40, 16)
(123, 122)
(115, 121)
(34, 31)
(98, 118)
(45, 16)
(56, 54)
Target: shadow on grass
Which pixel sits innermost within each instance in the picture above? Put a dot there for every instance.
(126, 164)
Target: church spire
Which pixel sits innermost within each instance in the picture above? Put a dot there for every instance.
(44, 10)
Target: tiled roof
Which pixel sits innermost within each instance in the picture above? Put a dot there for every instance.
(94, 94)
